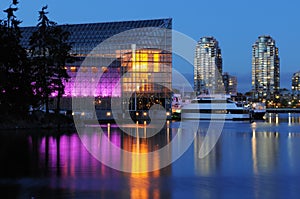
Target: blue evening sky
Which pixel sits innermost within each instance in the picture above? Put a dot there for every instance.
(236, 24)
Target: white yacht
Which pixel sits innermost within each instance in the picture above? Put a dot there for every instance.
(214, 107)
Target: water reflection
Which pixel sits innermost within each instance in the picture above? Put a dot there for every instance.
(256, 158)
(277, 118)
(53, 155)
(208, 165)
(265, 148)
(260, 159)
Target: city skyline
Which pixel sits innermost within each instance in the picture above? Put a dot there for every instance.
(235, 25)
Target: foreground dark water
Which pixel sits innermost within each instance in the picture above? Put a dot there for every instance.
(250, 160)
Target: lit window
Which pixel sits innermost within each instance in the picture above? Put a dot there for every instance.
(73, 69)
(94, 69)
(104, 69)
(84, 69)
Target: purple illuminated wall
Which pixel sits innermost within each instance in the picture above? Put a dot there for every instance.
(106, 85)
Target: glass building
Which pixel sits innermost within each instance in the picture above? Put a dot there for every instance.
(117, 59)
(265, 69)
(208, 66)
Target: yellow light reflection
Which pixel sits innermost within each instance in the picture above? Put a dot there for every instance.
(138, 193)
(254, 151)
(139, 162)
(108, 130)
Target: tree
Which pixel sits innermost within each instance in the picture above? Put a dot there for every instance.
(60, 56)
(14, 66)
(49, 51)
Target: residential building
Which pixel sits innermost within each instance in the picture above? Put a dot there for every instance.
(296, 82)
(230, 84)
(265, 69)
(208, 67)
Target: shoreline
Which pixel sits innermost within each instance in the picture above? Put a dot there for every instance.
(62, 122)
(283, 110)
(35, 121)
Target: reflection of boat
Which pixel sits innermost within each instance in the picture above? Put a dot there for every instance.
(214, 107)
(258, 110)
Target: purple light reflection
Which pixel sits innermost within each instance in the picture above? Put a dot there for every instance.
(67, 155)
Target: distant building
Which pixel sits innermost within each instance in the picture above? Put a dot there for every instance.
(265, 69)
(230, 84)
(141, 56)
(296, 82)
(208, 66)
(296, 85)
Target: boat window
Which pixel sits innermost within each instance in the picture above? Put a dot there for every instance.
(209, 101)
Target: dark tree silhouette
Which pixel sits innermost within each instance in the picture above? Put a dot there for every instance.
(15, 88)
(49, 51)
(60, 55)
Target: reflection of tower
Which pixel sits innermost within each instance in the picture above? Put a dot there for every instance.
(206, 166)
(208, 66)
(264, 151)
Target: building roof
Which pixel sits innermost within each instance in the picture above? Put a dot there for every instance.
(90, 35)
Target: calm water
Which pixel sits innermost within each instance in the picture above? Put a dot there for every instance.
(250, 160)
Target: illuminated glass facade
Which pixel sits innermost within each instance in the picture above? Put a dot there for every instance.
(148, 76)
(133, 57)
(208, 66)
(265, 69)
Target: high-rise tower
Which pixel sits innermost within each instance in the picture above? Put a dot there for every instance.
(208, 67)
(265, 69)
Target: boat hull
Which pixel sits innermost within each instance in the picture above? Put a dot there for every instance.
(207, 116)
(258, 115)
